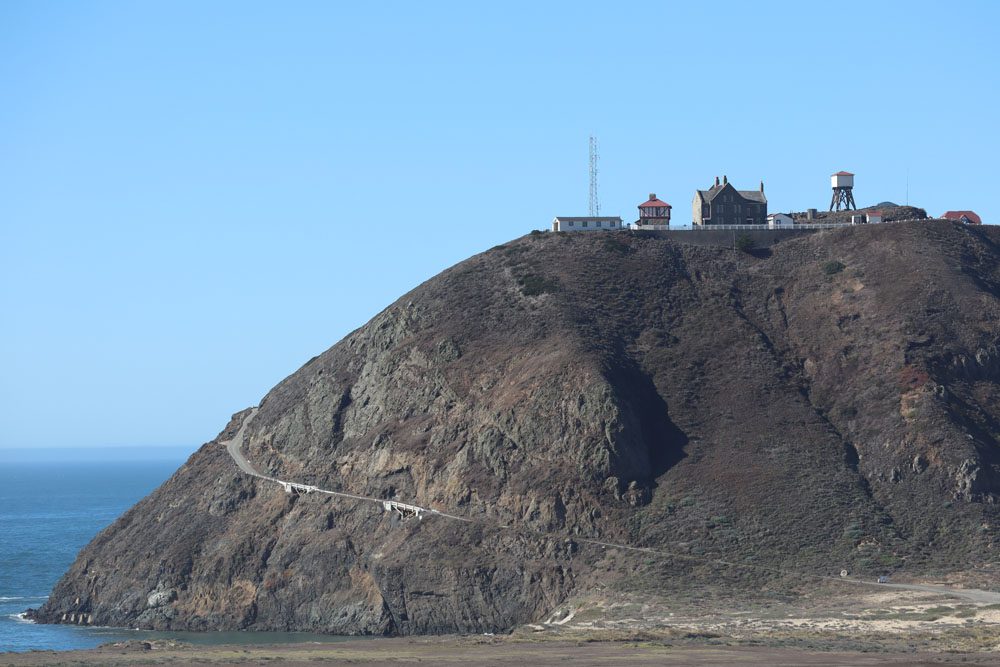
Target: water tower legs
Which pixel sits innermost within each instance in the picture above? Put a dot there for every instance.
(843, 196)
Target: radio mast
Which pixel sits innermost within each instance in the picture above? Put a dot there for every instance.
(595, 205)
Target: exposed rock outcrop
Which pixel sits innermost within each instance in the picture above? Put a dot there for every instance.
(710, 403)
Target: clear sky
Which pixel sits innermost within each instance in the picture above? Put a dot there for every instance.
(197, 197)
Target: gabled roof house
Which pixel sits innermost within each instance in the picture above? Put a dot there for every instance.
(723, 204)
(968, 217)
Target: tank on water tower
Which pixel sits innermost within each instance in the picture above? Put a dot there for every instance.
(843, 191)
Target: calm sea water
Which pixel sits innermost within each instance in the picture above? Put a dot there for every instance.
(51, 504)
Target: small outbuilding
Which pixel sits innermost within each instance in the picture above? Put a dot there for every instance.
(866, 218)
(585, 224)
(653, 213)
(965, 217)
(779, 220)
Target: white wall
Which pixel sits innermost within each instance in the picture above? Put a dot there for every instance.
(779, 220)
(563, 226)
(842, 181)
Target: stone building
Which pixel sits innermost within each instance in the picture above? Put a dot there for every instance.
(722, 204)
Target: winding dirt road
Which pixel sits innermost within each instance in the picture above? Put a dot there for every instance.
(234, 447)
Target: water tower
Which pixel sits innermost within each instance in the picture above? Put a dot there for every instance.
(843, 191)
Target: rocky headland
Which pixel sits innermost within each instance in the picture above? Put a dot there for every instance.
(832, 402)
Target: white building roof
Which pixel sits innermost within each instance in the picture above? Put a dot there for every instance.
(566, 218)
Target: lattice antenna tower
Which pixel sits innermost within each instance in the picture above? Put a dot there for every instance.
(595, 205)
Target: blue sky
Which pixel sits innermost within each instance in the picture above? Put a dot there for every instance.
(195, 198)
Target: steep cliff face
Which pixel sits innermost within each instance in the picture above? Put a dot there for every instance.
(834, 400)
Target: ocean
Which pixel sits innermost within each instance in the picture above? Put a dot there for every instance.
(52, 502)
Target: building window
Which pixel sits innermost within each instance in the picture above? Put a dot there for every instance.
(570, 223)
(585, 223)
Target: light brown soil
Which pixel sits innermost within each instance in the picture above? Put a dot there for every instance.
(833, 625)
(481, 651)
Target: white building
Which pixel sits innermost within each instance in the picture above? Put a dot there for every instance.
(585, 224)
(869, 218)
(779, 220)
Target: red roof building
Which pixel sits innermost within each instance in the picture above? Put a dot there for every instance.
(968, 217)
(654, 212)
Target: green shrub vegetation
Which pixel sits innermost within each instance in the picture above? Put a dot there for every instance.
(744, 243)
(854, 532)
(534, 285)
(889, 560)
(833, 267)
(613, 244)
(510, 251)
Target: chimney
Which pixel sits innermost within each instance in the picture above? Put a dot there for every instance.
(652, 196)
(725, 180)
(762, 186)
(716, 181)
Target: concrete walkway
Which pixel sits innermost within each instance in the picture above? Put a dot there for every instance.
(234, 447)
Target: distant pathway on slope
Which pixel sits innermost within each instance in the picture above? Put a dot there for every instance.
(234, 447)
